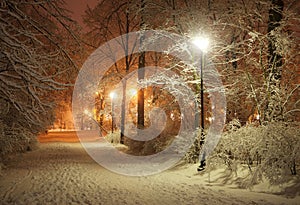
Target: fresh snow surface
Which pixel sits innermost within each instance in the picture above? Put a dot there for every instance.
(63, 173)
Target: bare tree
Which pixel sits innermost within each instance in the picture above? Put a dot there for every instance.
(110, 19)
(141, 75)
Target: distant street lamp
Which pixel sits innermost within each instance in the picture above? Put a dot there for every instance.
(112, 95)
(86, 112)
(202, 43)
(132, 92)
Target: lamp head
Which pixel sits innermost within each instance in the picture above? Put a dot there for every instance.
(202, 43)
(112, 95)
(133, 92)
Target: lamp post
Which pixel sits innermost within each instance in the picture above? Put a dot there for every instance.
(202, 43)
(112, 95)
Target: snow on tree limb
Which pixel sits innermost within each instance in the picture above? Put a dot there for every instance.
(33, 57)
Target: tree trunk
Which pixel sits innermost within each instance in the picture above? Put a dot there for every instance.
(141, 75)
(124, 82)
(273, 111)
(122, 125)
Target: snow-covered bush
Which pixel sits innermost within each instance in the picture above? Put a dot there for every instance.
(15, 140)
(279, 149)
(113, 138)
(153, 146)
(269, 151)
(192, 156)
(157, 144)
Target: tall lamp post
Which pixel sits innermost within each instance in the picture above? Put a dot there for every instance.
(112, 95)
(202, 43)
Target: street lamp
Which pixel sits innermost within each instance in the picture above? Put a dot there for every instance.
(132, 92)
(86, 112)
(112, 95)
(202, 43)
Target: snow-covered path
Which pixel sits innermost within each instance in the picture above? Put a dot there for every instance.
(62, 173)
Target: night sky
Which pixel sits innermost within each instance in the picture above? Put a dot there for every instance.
(78, 7)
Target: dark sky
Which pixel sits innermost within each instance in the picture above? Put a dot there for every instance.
(78, 7)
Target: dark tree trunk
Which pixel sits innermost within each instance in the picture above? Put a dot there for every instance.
(141, 75)
(273, 111)
(141, 94)
(275, 16)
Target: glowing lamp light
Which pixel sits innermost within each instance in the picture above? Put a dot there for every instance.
(132, 92)
(257, 117)
(112, 95)
(202, 43)
(210, 119)
(86, 112)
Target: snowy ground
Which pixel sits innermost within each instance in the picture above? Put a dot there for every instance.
(62, 173)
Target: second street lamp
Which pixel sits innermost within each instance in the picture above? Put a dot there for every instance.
(202, 43)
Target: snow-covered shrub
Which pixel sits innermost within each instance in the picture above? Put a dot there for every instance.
(15, 140)
(279, 150)
(15, 135)
(269, 151)
(113, 138)
(192, 156)
(159, 143)
(153, 146)
(233, 125)
(156, 145)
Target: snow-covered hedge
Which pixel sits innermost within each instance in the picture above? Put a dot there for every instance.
(269, 151)
(192, 156)
(113, 138)
(15, 140)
